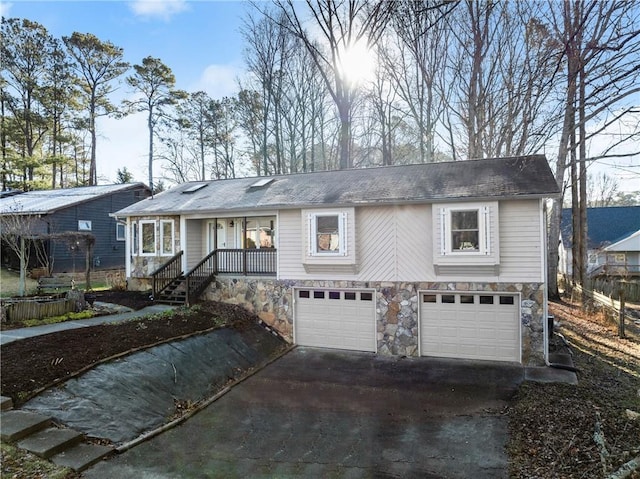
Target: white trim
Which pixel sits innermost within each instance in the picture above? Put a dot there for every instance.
(120, 224)
(127, 248)
(374, 300)
(484, 229)
(183, 242)
(141, 224)
(342, 234)
(173, 229)
(85, 225)
(517, 297)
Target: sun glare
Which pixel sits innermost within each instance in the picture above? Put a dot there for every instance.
(357, 63)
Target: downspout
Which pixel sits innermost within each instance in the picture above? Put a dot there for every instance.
(545, 281)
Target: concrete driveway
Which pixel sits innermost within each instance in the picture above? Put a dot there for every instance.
(333, 414)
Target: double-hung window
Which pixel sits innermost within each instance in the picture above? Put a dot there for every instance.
(147, 237)
(166, 237)
(120, 231)
(465, 230)
(327, 234)
(135, 238)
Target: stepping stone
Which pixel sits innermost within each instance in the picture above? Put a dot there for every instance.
(82, 456)
(51, 441)
(5, 403)
(16, 424)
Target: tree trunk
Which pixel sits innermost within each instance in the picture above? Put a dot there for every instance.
(345, 135)
(22, 284)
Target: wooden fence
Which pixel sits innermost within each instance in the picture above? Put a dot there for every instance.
(611, 287)
(614, 309)
(36, 308)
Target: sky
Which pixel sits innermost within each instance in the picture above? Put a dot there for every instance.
(199, 40)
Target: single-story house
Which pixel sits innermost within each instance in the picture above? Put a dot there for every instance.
(613, 241)
(51, 214)
(441, 259)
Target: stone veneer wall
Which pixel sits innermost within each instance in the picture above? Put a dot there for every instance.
(396, 308)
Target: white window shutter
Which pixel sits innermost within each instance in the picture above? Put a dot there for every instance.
(343, 234)
(486, 218)
(443, 231)
(311, 230)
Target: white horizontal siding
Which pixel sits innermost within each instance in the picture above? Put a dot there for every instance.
(521, 241)
(291, 244)
(196, 232)
(394, 243)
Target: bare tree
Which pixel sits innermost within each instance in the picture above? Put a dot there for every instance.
(416, 62)
(21, 233)
(600, 46)
(342, 25)
(602, 189)
(266, 56)
(501, 63)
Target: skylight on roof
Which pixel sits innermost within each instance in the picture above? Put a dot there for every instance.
(194, 188)
(261, 182)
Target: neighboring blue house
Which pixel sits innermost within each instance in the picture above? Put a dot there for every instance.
(613, 234)
(82, 209)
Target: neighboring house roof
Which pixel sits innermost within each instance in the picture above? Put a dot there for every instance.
(10, 192)
(628, 243)
(523, 177)
(43, 202)
(605, 225)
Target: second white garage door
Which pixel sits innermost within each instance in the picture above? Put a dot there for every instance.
(342, 319)
(470, 325)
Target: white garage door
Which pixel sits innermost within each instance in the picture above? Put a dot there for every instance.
(342, 319)
(470, 325)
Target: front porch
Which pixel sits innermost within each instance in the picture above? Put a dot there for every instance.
(171, 284)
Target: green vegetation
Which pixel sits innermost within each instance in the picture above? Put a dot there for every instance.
(59, 319)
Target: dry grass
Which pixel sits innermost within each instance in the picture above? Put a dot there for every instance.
(553, 426)
(10, 283)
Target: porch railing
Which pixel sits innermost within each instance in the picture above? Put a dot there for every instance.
(167, 273)
(199, 277)
(261, 261)
(230, 261)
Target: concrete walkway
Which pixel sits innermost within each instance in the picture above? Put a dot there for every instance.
(122, 313)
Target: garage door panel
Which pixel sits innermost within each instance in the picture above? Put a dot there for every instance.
(342, 319)
(470, 325)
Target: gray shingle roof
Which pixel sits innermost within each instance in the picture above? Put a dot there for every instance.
(527, 176)
(48, 201)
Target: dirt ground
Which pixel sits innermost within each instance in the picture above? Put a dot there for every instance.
(33, 364)
(552, 426)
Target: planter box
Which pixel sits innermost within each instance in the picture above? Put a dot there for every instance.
(15, 310)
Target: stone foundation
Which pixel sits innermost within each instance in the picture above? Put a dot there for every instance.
(397, 306)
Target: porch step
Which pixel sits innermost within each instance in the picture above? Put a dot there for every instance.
(51, 441)
(16, 424)
(82, 456)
